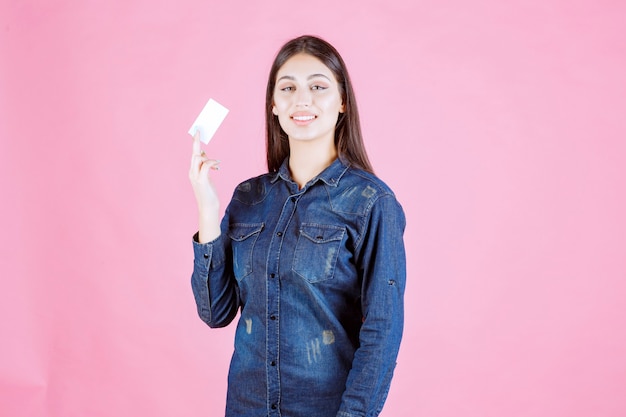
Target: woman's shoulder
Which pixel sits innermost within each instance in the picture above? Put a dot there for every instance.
(254, 189)
(368, 180)
(359, 191)
(248, 185)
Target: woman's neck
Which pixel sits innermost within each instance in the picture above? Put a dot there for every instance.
(308, 159)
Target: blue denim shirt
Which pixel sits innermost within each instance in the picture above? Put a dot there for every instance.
(319, 275)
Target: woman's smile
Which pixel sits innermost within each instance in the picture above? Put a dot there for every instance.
(303, 118)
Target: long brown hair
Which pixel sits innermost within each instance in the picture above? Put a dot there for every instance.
(348, 138)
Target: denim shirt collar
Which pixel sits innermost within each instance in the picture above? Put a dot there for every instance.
(330, 176)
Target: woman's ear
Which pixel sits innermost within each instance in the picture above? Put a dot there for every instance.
(342, 109)
(274, 111)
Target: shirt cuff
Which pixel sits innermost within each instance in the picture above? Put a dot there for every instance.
(209, 253)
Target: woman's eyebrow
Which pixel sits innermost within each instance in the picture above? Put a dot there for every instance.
(317, 75)
(292, 78)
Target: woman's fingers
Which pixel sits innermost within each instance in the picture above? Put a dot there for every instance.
(204, 190)
(200, 166)
(207, 164)
(196, 143)
(199, 158)
(196, 152)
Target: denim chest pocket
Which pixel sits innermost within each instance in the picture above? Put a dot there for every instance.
(243, 236)
(317, 251)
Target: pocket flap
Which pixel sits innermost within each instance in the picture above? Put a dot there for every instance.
(242, 231)
(322, 233)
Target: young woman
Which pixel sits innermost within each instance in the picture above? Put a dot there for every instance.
(311, 253)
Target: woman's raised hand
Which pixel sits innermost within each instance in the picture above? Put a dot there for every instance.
(205, 192)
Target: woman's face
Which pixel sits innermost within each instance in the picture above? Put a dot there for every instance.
(307, 100)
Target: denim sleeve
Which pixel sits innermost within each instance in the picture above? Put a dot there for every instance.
(213, 283)
(382, 262)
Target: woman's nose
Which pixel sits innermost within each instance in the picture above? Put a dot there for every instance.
(303, 97)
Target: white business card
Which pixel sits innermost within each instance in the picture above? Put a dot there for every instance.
(209, 119)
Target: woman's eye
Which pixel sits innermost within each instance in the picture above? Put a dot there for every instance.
(289, 88)
(318, 87)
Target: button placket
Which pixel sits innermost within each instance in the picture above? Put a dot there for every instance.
(273, 305)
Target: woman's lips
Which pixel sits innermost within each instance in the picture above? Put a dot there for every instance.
(303, 118)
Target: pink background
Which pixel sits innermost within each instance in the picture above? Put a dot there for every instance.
(500, 124)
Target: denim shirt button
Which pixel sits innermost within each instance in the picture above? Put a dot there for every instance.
(206, 256)
(272, 275)
(274, 407)
(272, 317)
(273, 363)
(279, 234)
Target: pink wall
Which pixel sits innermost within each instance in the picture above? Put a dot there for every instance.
(500, 125)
